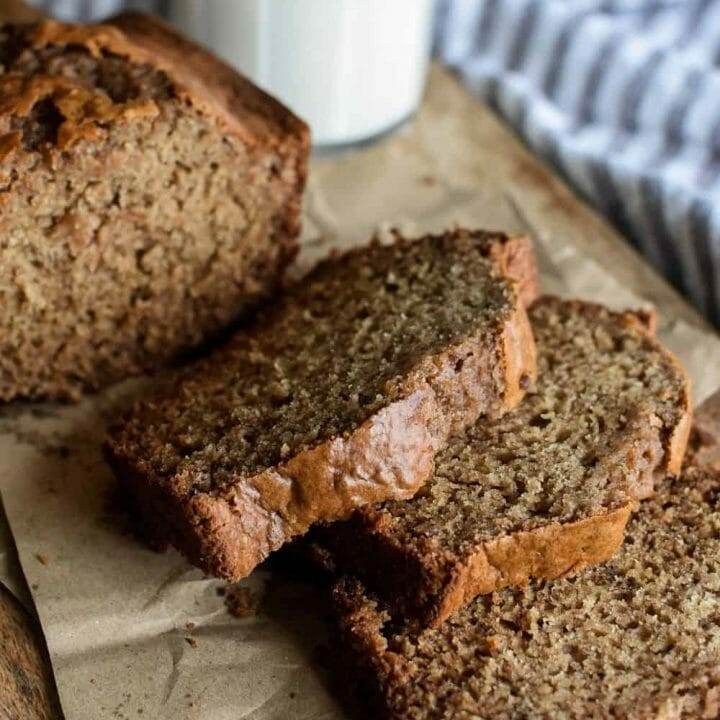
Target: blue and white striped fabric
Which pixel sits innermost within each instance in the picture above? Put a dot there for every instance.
(90, 9)
(622, 96)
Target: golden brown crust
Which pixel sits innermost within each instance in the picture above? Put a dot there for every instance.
(546, 553)
(198, 77)
(518, 358)
(517, 258)
(388, 456)
(83, 109)
(648, 318)
(676, 443)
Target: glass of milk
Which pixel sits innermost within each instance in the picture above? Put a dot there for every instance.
(353, 69)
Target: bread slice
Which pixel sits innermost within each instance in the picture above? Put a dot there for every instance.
(149, 196)
(542, 492)
(635, 638)
(338, 396)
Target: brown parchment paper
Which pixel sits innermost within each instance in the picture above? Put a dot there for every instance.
(134, 634)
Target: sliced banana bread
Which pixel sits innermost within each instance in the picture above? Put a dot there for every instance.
(637, 637)
(543, 491)
(339, 395)
(148, 197)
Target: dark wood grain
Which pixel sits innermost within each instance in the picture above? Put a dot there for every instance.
(27, 690)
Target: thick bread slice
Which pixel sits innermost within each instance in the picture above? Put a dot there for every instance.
(541, 492)
(339, 395)
(637, 637)
(149, 197)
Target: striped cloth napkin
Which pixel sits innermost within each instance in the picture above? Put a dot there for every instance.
(91, 9)
(621, 96)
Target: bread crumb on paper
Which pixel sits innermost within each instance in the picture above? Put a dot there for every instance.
(241, 602)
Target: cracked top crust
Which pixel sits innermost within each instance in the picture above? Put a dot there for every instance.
(151, 52)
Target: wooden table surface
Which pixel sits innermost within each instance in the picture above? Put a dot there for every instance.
(26, 686)
(27, 691)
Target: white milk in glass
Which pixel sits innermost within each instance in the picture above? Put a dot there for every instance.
(351, 68)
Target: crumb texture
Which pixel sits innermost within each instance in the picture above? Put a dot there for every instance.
(343, 343)
(241, 602)
(132, 229)
(602, 384)
(637, 637)
(585, 443)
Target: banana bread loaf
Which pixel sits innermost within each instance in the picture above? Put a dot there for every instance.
(636, 638)
(148, 197)
(541, 492)
(337, 396)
